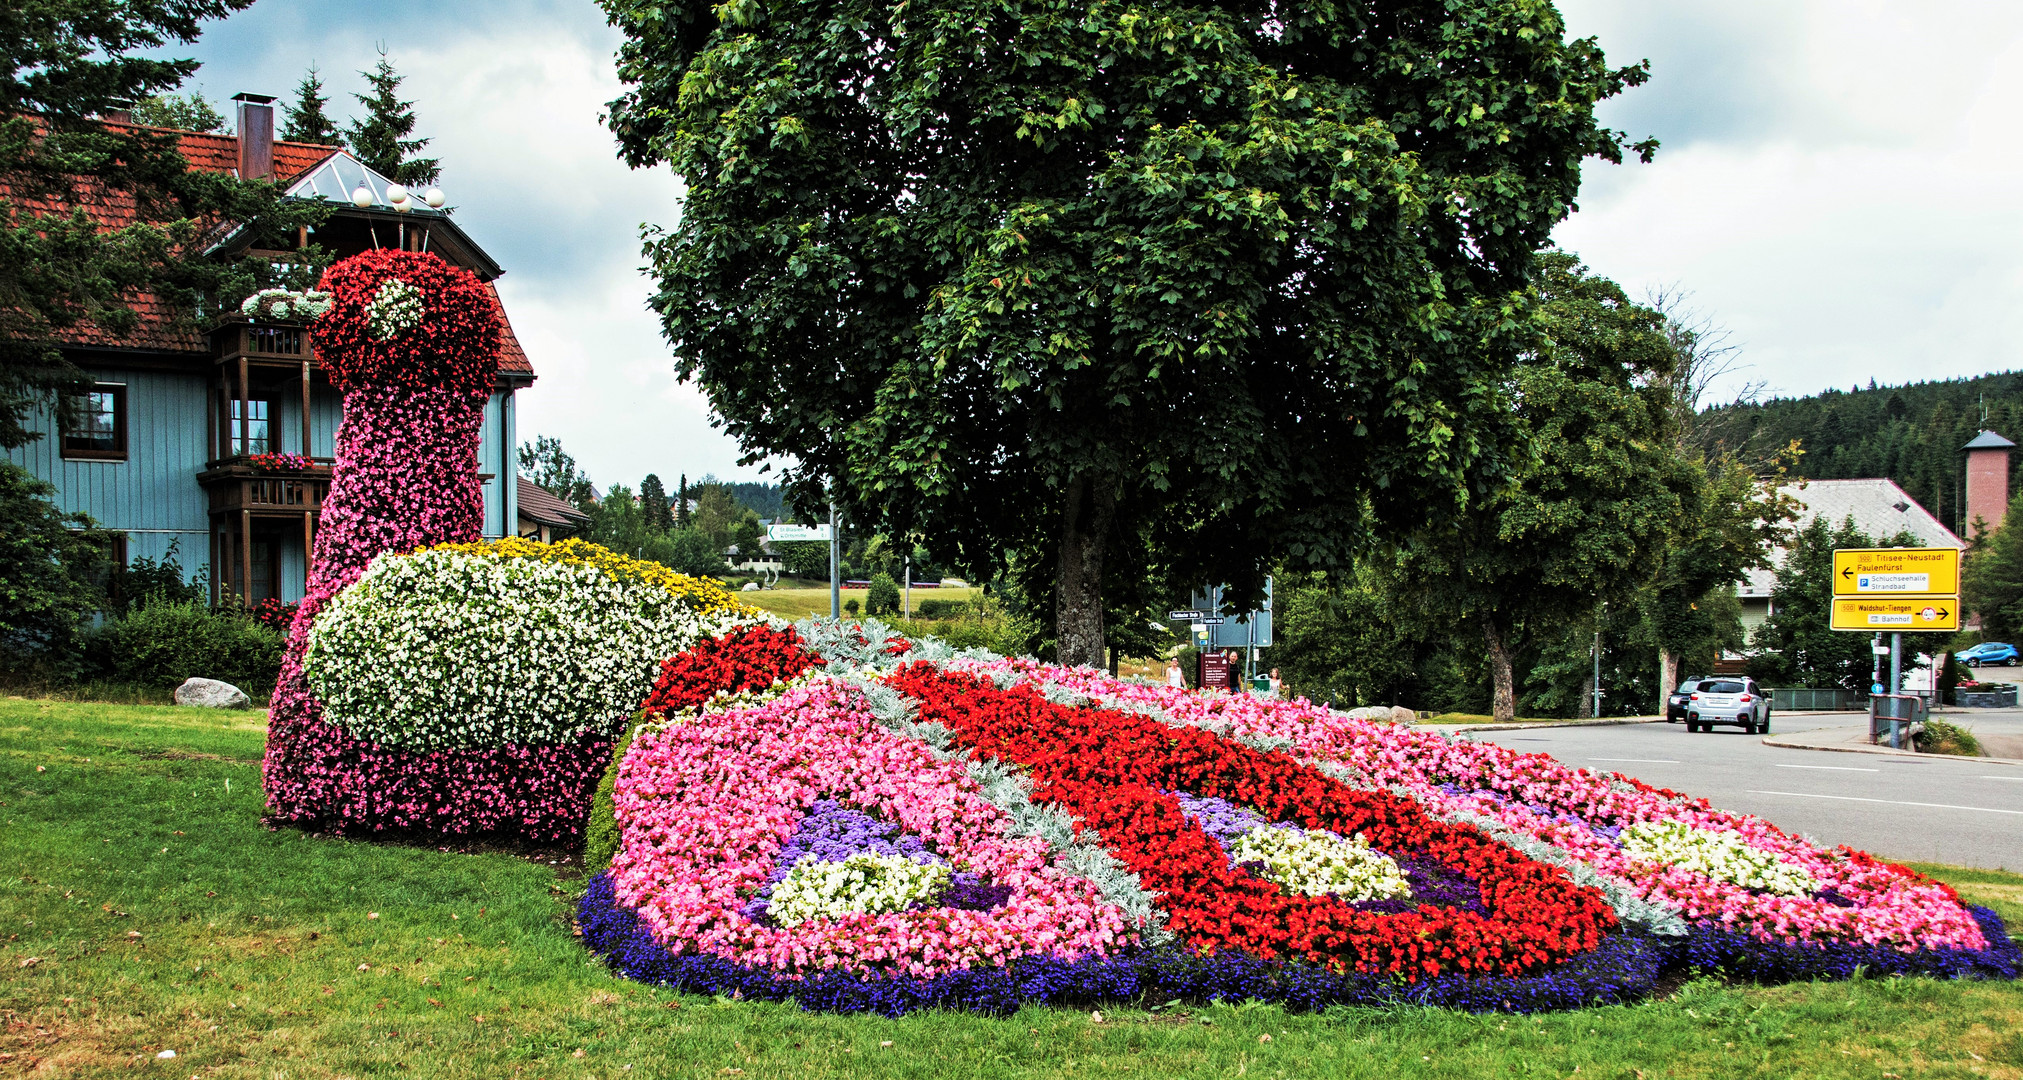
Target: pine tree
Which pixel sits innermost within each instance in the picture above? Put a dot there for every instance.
(653, 504)
(306, 120)
(381, 139)
(681, 504)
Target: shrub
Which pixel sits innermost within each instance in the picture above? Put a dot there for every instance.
(47, 570)
(162, 644)
(851, 606)
(942, 609)
(144, 581)
(1941, 737)
(882, 598)
(509, 642)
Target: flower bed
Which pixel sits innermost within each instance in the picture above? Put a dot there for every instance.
(507, 642)
(792, 827)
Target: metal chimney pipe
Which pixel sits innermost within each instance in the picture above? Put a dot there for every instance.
(256, 136)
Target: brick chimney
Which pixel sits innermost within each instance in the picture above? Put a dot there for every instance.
(1987, 481)
(256, 136)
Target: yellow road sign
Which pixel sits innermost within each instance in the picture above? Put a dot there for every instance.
(1896, 571)
(1896, 613)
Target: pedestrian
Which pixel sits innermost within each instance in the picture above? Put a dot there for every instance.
(1235, 670)
(1276, 684)
(1175, 678)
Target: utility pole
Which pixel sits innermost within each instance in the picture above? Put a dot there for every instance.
(835, 564)
(1896, 663)
(1597, 712)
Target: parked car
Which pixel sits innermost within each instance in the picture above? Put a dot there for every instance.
(1675, 706)
(1989, 652)
(1728, 701)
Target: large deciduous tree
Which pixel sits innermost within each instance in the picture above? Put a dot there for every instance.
(1587, 519)
(1023, 276)
(65, 65)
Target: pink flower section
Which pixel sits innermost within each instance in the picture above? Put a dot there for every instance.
(406, 477)
(705, 806)
(1537, 795)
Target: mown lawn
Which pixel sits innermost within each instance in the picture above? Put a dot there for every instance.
(799, 603)
(145, 908)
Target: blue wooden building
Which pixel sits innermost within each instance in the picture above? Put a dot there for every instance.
(219, 440)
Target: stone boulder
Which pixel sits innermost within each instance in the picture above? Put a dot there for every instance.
(1402, 715)
(211, 694)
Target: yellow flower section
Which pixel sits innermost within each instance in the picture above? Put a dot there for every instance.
(707, 596)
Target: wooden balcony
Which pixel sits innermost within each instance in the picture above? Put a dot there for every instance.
(234, 485)
(238, 337)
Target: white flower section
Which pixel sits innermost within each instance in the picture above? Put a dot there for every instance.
(285, 304)
(1722, 856)
(1319, 863)
(864, 883)
(395, 309)
(444, 649)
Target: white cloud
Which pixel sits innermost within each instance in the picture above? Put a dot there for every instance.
(1860, 220)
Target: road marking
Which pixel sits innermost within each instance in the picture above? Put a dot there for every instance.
(2002, 778)
(1832, 768)
(1885, 802)
(1641, 760)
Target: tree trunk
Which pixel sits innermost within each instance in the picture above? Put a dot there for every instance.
(1503, 703)
(1668, 677)
(1078, 585)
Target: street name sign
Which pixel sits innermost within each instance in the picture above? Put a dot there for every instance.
(797, 533)
(1189, 615)
(1896, 572)
(1895, 613)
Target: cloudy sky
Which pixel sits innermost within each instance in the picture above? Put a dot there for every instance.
(1839, 187)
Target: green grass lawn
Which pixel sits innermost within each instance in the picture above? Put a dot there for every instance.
(798, 603)
(146, 908)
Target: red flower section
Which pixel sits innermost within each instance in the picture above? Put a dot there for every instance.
(1112, 770)
(752, 658)
(455, 346)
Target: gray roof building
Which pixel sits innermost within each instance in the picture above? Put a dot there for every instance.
(1879, 508)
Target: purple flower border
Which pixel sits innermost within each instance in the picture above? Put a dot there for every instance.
(1624, 968)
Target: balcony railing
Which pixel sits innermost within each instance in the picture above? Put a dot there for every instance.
(237, 484)
(236, 336)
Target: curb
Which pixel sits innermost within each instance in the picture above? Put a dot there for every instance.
(1785, 743)
(1609, 722)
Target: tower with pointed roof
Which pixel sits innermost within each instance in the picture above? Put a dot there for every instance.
(1987, 481)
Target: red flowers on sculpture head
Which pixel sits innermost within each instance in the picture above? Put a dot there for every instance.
(407, 319)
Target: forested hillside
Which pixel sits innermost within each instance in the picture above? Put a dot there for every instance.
(1911, 434)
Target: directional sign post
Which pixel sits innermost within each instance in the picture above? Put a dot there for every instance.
(1896, 572)
(798, 533)
(1896, 589)
(1896, 613)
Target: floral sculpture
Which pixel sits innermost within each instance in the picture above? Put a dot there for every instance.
(861, 822)
(433, 682)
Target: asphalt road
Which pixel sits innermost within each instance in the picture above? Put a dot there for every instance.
(1950, 810)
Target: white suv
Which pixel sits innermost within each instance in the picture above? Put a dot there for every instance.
(1728, 701)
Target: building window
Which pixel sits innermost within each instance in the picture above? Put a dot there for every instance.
(255, 439)
(96, 424)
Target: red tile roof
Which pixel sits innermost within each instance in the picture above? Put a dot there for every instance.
(538, 505)
(208, 152)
